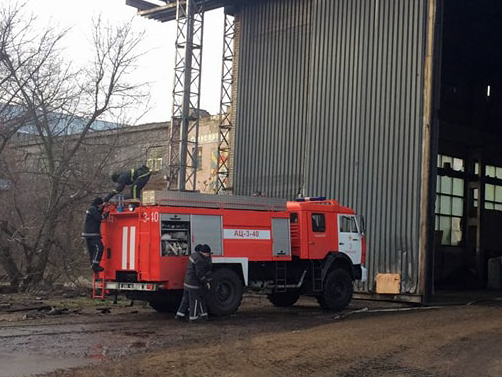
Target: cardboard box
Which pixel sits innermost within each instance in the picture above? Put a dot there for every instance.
(388, 283)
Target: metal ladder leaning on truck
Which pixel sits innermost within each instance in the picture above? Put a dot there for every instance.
(285, 249)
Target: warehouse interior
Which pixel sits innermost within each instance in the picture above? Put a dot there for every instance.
(468, 207)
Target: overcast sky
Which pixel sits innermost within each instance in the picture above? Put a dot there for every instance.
(156, 66)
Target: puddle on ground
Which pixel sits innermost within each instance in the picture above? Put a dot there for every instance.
(17, 365)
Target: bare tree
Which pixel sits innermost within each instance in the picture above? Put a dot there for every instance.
(13, 35)
(57, 106)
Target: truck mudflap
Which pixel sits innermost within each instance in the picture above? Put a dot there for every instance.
(360, 273)
(118, 286)
(364, 274)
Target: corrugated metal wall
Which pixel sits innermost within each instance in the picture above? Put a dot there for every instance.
(330, 99)
(274, 70)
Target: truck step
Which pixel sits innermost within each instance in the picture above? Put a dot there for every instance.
(317, 276)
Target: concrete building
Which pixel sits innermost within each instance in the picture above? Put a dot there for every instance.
(131, 146)
(155, 148)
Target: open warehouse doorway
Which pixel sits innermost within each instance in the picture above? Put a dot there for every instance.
(468, 208)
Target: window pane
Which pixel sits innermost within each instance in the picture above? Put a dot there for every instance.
(348, 224)
(344, 224)
(490, 171)
(318, 223)
(476, 168)
(458, 164)
(154, 164)
(489, 205)
(498, 194)
(489, 192)
(498, 207)
(445, 227)
(447, 160)
(475, 204)
(445, 205)
(456, 232)
(446, 185)
(498, 172)
(199, 158)
(154, 158)
(155, 152)
(458, 207)
(458, 187)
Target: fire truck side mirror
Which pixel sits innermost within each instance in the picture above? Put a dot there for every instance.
(360, 224)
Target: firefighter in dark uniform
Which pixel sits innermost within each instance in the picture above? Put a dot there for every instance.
(92, 233)
(197, 281)
(182, 312)
(137, 178)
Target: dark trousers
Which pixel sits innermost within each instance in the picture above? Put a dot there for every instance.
(184, 305)
(95, 249)
(137, 186)
(197, 303)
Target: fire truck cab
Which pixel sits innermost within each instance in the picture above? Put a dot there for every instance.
(284, 249)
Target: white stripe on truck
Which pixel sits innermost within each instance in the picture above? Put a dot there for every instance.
(132, 249)
(124, 248)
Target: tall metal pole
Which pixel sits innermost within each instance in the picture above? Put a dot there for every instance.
(225, 125)
(186, 95)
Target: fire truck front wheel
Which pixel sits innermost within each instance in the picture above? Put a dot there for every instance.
(338, 289)
(226, 292)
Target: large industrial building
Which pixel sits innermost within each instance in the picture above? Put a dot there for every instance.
(393, 107)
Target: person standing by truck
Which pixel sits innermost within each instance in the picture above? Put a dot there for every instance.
(197, 280)
(92, 232)
(183, 312)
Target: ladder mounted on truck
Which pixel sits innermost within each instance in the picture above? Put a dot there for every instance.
(194, 199)
(98, 285)
(281, 278)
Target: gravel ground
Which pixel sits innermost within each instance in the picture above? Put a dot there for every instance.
(73, 336)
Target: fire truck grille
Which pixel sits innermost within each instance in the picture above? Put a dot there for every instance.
(126, 276)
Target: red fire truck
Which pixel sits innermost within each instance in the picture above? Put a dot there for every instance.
(282, 248)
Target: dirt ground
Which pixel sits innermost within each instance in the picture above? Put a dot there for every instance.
(73, 336)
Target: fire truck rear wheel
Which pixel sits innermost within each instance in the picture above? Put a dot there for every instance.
(338, 289)
(284, 299)
(226, 292)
